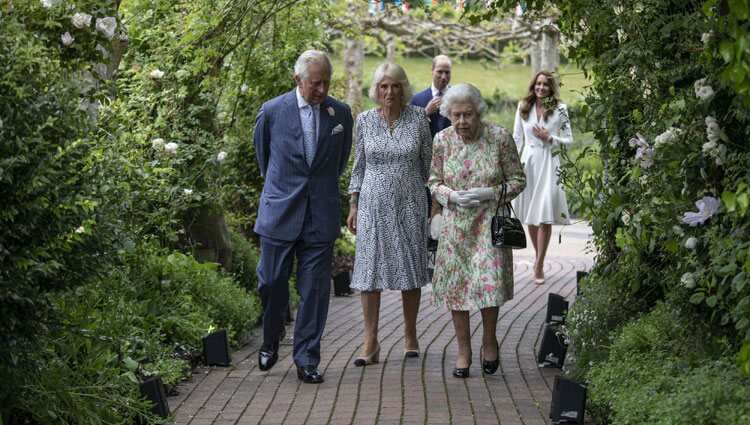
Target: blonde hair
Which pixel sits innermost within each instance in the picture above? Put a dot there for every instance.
(390, 69)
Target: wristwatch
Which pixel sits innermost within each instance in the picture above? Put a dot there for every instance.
(353, 201)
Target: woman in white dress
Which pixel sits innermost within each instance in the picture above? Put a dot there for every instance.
(388, 210)
(542, 124)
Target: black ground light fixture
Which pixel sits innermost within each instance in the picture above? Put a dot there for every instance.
(153, 390)
(580, 274)
(216, 349)
(557, 308)
(553, 348)
(568, 402)
(341, 284)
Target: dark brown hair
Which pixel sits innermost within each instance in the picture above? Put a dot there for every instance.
(530, 99)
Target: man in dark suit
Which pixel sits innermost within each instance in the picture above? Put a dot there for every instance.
(302, 140)
(431, 98)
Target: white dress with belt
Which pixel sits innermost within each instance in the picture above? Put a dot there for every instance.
(543, 201)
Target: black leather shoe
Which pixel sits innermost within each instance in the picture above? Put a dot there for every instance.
(490, 367)
(267, 356)
(309, 374)
(461, 372)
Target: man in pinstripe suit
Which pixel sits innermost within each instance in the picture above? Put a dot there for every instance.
(302, 140)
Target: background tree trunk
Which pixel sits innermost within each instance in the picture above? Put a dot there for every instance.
(354, 65)
(545, 49)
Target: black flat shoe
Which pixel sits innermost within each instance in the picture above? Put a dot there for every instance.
(461, 372)
(268, 356)
(490, 366)
(410, 354)
(309, 374)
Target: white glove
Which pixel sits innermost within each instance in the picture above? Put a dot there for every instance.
(463, 198)
(482, 193)
(436, 225)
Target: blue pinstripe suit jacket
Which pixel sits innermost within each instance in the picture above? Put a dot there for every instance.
(291, 186)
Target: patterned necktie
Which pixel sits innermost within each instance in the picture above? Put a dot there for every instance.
(310, 133)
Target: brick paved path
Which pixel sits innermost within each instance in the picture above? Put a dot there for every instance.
(397, 390)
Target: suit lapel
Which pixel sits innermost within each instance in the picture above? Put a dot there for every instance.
(323, 129)
(297, 141)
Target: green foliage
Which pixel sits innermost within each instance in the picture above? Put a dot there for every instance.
(245, 257)
(143, 318)
(47, 203)
(654, 374)
(220, 61)
(668, 108)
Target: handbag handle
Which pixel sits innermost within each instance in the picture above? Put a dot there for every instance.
(508, 206)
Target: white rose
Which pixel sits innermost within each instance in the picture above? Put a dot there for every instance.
(47, 3)
(615, 141)
(625, 217)
(81, 20)
(170, 148)
(244, 88)
(221, 156)
(67, 39)
(702, 90)
(156, 74)
(720, 154)
(688, 280)
(706, 37)
(80, 230)
(107, 26)
(708, 147)
(157, 144)
(187, 192)
(691, 242)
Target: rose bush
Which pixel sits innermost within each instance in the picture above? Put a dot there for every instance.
(669, 109)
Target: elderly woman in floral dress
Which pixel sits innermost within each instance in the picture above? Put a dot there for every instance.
(473, 163)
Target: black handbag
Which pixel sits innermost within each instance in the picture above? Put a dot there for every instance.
(507, 231)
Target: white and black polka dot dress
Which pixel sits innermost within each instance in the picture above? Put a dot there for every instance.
(391, 167)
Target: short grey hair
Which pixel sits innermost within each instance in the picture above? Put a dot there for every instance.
(302, 66)
(463, 93)
(390, 69)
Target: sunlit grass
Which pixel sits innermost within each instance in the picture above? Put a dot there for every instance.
(510, 79)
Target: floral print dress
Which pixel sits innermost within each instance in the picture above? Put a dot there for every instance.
(470, 273)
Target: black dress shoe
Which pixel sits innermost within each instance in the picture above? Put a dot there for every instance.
(267, 356)
(490, 367)
(461, 372)
(309, 374)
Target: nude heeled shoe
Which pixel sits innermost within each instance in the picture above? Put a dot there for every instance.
(374, 357)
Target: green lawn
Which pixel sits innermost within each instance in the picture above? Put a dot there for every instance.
(510, 79)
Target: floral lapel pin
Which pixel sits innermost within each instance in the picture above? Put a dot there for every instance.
(331, 112)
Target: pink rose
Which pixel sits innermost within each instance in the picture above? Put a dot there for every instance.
(467, 163)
